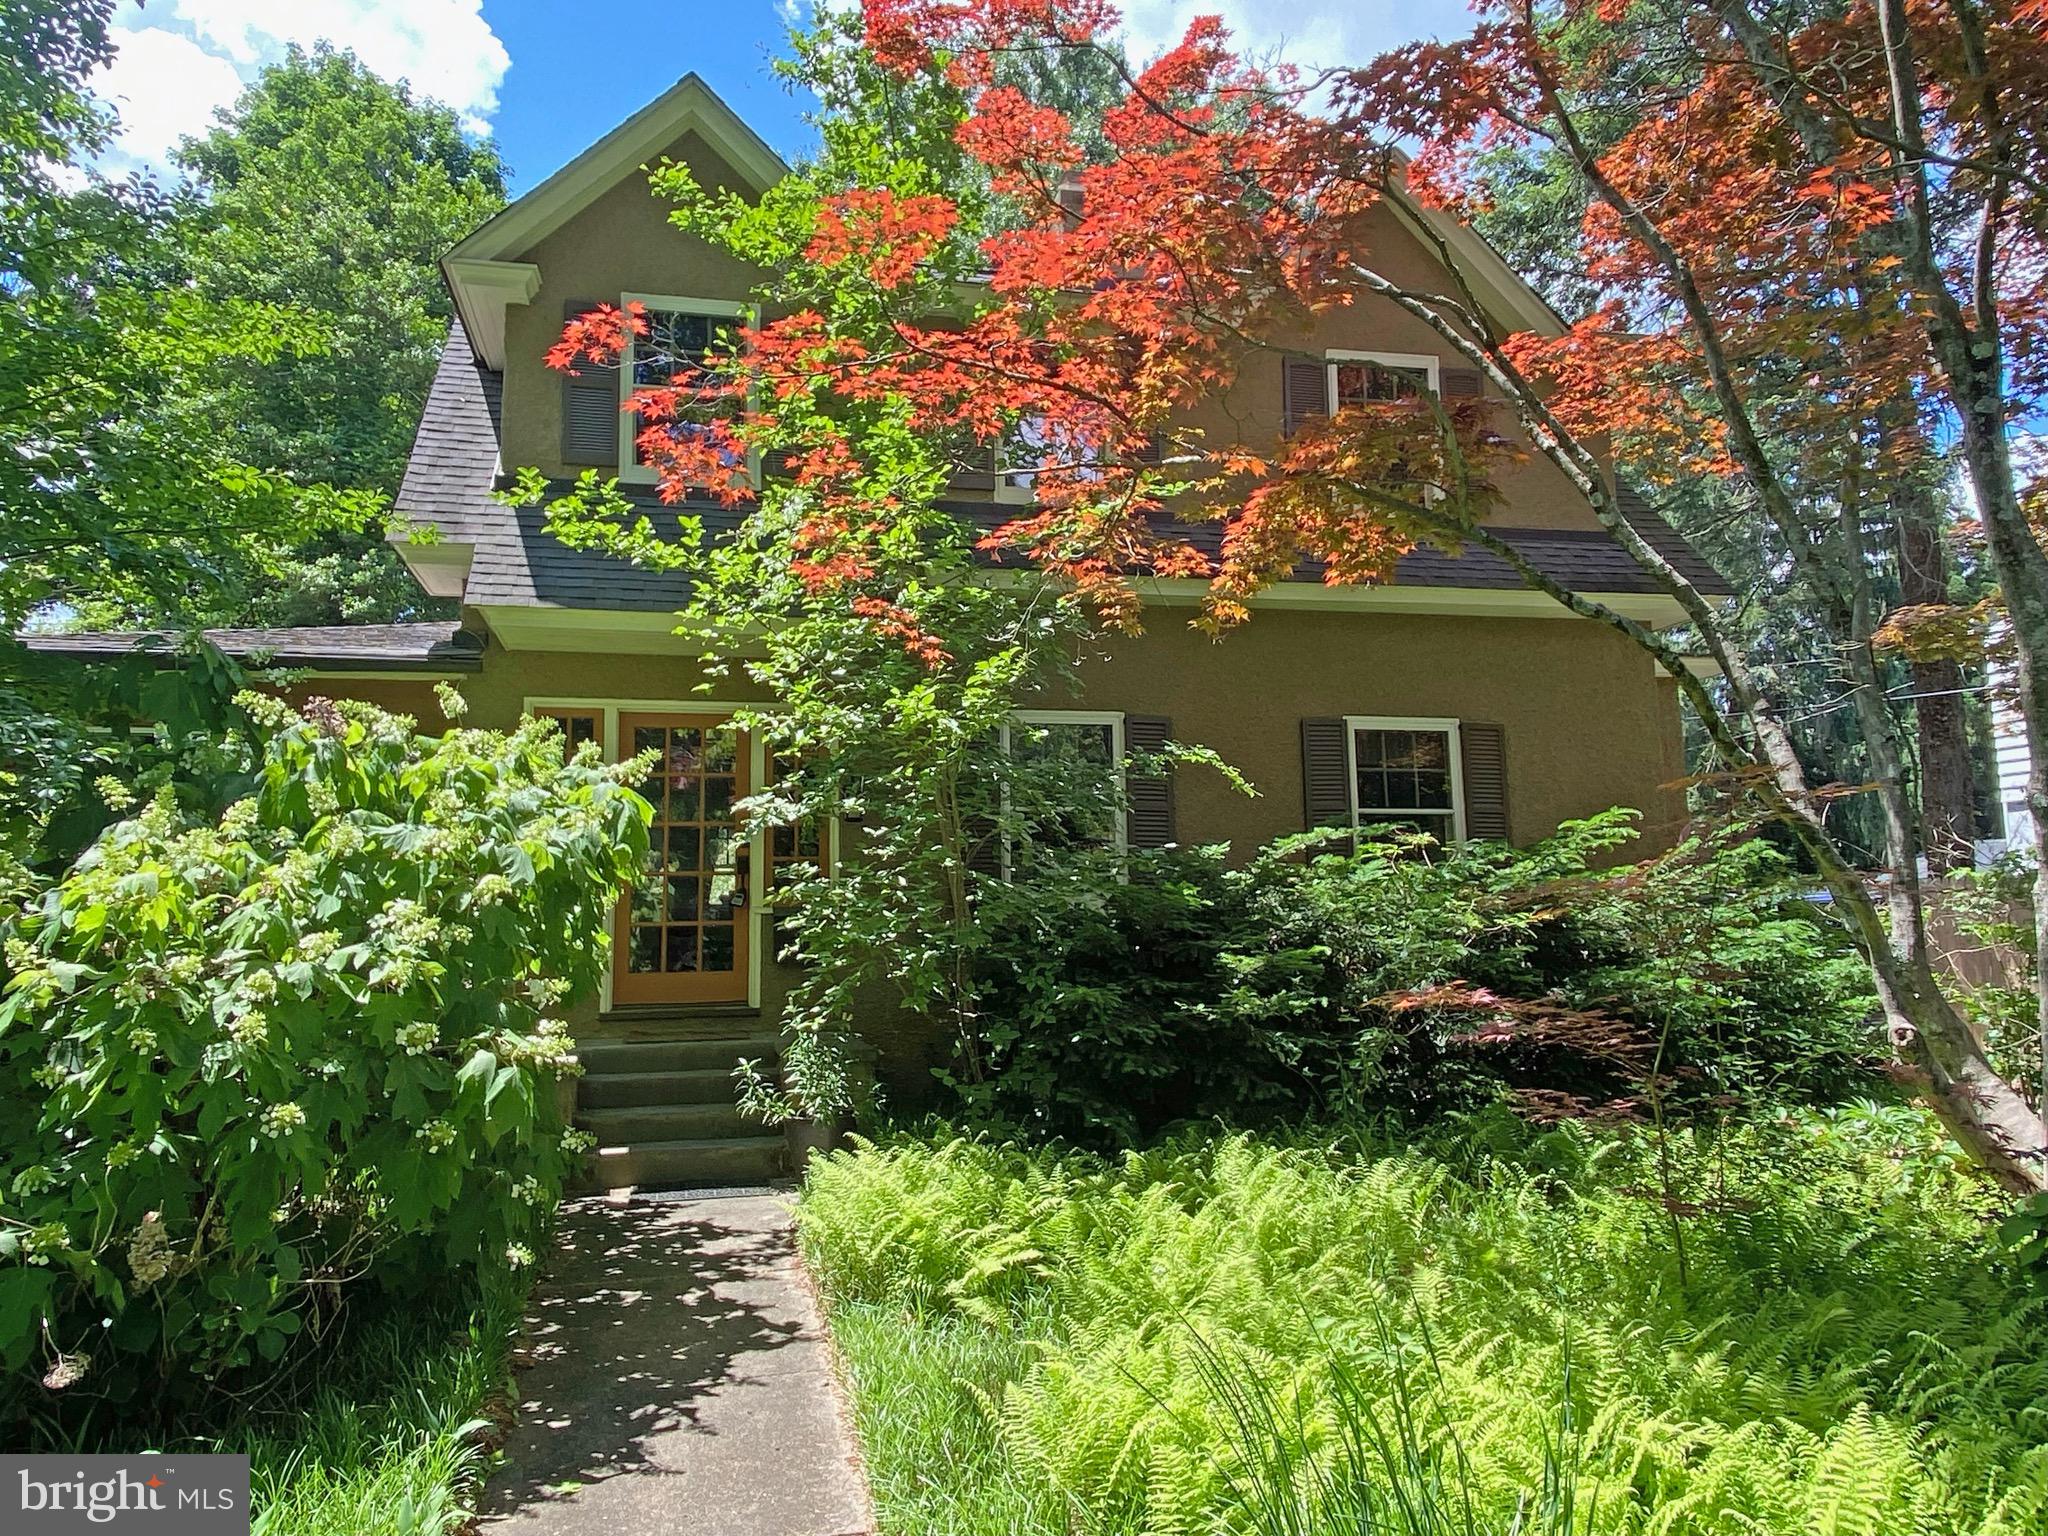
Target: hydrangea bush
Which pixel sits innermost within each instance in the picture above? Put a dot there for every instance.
(249, 1066)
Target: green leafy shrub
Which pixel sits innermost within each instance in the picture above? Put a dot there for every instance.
(249, 1064)
(1407, 978)
(1097, 986)
(1467, 1331)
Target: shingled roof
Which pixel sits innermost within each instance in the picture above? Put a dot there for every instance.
(455, 469)
(438, 647)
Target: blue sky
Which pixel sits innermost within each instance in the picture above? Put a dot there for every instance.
(548, 77)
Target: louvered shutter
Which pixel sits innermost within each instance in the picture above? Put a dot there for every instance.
(1304, 393)
(977, 470)
(590, 405)
(1148, 815)
(1459, 383)
(1485, 750)
(1325, 775)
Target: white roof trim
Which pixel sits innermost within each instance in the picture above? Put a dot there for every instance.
(687, 105)
(482, 289)
(1506, 294)
(484, 271)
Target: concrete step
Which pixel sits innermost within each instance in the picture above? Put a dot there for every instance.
(603, 1058)
(667, 1122)
(636, 1090)
(705, 1164)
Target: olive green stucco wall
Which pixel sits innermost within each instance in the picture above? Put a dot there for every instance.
(623, 243)
(1588, 722)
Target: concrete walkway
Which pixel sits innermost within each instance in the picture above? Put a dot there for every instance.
(681, 1383)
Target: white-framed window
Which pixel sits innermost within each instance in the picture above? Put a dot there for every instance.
(1404, 773)
(680, 330)
(1368, 378)
(1026, 449)
(1052, 741)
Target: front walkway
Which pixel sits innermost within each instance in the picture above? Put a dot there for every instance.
(681, 1382)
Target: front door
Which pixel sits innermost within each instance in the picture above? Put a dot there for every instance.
(681, 933)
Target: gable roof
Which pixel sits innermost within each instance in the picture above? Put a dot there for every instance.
(687, 106)
(484, 270)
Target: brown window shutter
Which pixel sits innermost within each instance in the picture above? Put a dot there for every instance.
(1459, 383)
(590, 405)
(977, 471)
(1485, 750)
(1304, 393)
(1148, 812)
(984, 851)
(1325, 775)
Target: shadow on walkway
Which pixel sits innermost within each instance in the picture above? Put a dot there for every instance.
(680, 1382)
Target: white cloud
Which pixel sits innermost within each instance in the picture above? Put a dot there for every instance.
(1313, 35)
(169, 76)
(163, 84)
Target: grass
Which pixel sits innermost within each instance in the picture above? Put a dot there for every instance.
(393, 1439)
(1490, 1332)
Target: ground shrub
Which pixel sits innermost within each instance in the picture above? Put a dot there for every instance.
(254, 1065)
(1405, 978)
(1490, 1331)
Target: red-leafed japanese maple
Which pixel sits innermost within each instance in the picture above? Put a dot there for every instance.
(1821, 234)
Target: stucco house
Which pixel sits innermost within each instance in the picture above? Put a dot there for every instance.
(1454, 695)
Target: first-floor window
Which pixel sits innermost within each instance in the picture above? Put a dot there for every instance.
(1065, 782)
(1404, 774)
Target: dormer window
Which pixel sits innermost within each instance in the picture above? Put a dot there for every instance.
(1033, 444)
(680, 335)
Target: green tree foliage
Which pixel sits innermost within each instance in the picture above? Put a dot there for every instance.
(895, 663)
(334, 193)
(250, 1062)
(1438, 1336)
(116, 484)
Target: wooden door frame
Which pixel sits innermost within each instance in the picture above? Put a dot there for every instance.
(609, 711)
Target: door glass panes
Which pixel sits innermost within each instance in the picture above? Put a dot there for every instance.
(681, 912)
(1404, 779)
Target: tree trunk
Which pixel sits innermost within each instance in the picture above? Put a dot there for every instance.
(1948, 792)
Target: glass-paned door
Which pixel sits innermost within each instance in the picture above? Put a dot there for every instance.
(682, 931)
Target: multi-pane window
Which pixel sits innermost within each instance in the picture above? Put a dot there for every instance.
(1372, 381)
(1064, 782)
(683, 908)
(794, 843)
(1404, 774)
(681, 334)
(672, 352)
(1030, 446)
(1369, 379)
(578, 726)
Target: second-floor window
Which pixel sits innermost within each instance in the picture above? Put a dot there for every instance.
(1034, 444)
(680, 335)
(1373, 378)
